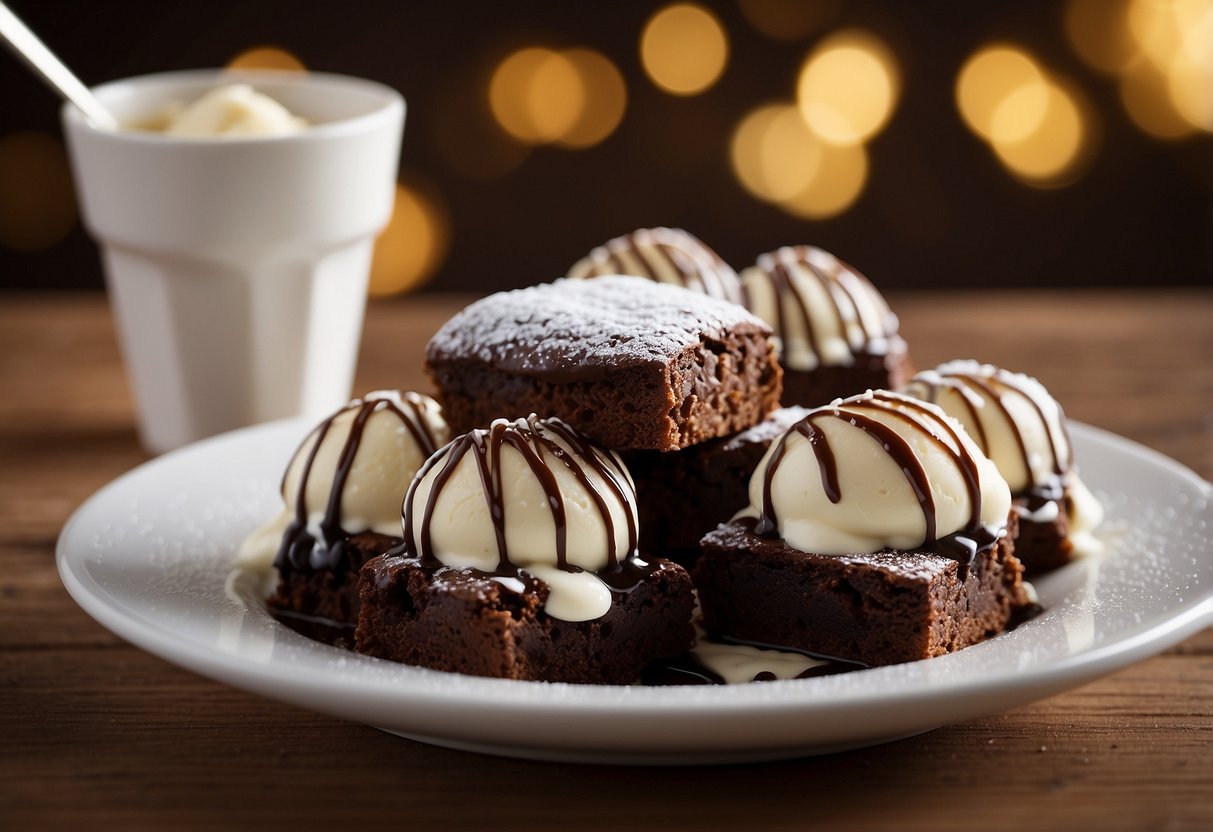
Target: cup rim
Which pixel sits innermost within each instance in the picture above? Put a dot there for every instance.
(392, 105)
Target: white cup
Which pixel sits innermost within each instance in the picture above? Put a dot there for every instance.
(237, 267)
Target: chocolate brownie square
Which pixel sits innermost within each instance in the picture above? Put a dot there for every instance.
(881, 608)
(466, 621)
(1043, 541)
(629, 363)
(682, 495)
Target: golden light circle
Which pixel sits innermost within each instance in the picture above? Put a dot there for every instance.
(684, 49)
(1190, 86)
(1048, 154)
(1145, 93)
(791, 155)
(37, 203)
(746, 150)
(1098, 30)
(789, 19)
(838, 181)
(988, 78)
(537, 95)
(414, 243)
(847, 87)
(1019, 114)
(606, 98)
(267, 57)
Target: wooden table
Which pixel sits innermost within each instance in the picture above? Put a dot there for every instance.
(98, 734)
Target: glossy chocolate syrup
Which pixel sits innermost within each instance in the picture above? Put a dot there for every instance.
(962, 545)
(300, 550)
(537, 441)
(841, 284)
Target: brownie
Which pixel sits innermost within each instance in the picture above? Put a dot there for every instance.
(682, 495)
(1042, 543)
(629, 363)
(465, 621)
(825, 383)
(329, 591)
(881, 608)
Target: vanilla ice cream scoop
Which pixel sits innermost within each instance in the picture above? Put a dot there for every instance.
(664, 255)
(349, 476)
(530, 494)
(878, 471)
(1019, 425)
(822, 310)
(233, 110)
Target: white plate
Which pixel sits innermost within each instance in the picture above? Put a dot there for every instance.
(148, 556)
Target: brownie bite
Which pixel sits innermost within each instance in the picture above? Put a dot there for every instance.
(467, 621)
(682, 495)
(629, 363)
(342, 491)
(876, 608)
(877, 532)
(519, 561)
(837, 335)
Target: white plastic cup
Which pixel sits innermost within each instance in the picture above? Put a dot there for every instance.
(238, 267)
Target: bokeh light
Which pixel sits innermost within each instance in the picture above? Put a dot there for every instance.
(537, 95)
(1047, 156)
(37, 203)
(848, 87)
(1163, 52)
(606, 98)
(773, 153)
(779, 160)
(789, 20)
(1146, 97)
(1099, 32)
(267, 57)
(415, 242)
(838, 181)
(684, 49)
(573, 98)
(992, 75)
(1038, 126)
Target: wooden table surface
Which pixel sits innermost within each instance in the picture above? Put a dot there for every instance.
(99, 734)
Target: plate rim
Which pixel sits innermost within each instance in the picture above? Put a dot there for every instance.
(565, 699)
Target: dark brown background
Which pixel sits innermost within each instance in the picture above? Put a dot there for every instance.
(939, 211)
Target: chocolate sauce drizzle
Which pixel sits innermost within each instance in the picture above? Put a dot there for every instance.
(300, 550)
(994, 387)
(841, 283)
(538, 442)
(961, 545)
(662, 249)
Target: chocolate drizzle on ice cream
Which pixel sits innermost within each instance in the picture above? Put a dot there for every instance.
(529, 496)
(347, 477)
(663, 255)
(920, 442)
(823, 311)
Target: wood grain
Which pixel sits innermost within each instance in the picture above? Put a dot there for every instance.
(98, 734)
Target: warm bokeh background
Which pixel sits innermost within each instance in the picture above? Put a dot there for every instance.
(933, 144)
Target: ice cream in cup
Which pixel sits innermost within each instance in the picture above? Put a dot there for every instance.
(236, 213)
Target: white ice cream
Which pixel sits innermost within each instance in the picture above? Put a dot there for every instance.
(387, 458)
(1021, 427)
(233, 110)
(878, 507)
(463, 532)
(822, 311)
